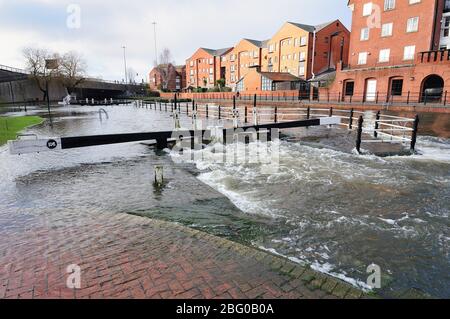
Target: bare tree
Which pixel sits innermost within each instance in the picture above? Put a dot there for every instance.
(35, 60)
(165, 67)
(72, 70)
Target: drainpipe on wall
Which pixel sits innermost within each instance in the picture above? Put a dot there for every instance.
(313, 54)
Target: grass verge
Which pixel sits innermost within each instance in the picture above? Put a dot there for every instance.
(11, 126)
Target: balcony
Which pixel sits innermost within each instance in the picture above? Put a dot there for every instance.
(433, 56)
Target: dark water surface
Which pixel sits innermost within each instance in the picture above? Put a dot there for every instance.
(336, 211)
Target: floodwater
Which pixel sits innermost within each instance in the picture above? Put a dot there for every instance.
(334, 210)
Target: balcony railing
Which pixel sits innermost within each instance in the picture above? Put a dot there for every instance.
(434, 56)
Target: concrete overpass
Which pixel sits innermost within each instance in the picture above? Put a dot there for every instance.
(17, 86)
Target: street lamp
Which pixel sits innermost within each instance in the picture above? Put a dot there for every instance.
(125, 63)
(156, 48)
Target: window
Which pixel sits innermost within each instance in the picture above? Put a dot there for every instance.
(389, 5)
(271, 48)
(386, 29)
(409, 52)
(413, 24)
(211, 61)
(384, 55)
(349, 88)
(362, 58)
(303, 41)
(414, 1)
(302, 56)
(301, 69)
(367, 9)
(266, 84)
(211, 71)
(192, 72)
(240, 86)
(365, 34)
(397, 87)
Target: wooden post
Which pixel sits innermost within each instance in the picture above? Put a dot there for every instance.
(414, 133)
(377, 124)
(350, 120)
(359, 136)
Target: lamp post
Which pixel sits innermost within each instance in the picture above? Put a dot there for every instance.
(125, 63)
(156, 47)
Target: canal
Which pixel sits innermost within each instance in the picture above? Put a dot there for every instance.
(333, 210)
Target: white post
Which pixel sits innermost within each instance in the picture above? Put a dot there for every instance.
(255, 116)
(93, 101)
(87, 101)
(159, 176)
(236, 118)
(176, 117)
(111, 100)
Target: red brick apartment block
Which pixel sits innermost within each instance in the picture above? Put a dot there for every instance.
(168, 77)
(399, 52)
(290, 50)
(205, 67)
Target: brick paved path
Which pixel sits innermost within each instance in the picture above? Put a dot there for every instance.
(124, 256)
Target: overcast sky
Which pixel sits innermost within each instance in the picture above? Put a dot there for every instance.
(183, 26)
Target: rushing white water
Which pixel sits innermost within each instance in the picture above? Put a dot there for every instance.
(341, 212)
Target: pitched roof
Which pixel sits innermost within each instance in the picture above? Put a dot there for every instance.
(311, 28)
(280, 77)
(218, 52)
(259, 44)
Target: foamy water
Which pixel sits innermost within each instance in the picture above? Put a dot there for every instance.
(341, 212)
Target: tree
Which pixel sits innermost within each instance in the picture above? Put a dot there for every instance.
(221, 84)
(35, 60)
(165, 67)
(72, 70)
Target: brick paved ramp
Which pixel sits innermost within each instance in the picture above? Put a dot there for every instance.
(125, 256)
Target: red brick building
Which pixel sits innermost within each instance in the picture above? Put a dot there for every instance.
(398, 52)
(205, 67)
(168, 77)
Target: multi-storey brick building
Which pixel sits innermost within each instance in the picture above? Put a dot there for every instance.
(291, 49)
(205, 67)
(246, 54)
(168, 78)
(398, 51)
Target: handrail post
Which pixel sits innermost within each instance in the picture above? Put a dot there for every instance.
(350, 123)
(246, 115)
(377, 124)
(359, 136)
(414, 133)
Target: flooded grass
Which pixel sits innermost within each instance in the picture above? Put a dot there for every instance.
(11, 126)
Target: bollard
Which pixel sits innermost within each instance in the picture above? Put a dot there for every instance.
(176, 116)
(276, 114)
(93, 101)
(219, 112)
(359, 136)
(111, 101)
(159, 176)
(308, 113)
(236, 118)
(87, 101)
(414, 133)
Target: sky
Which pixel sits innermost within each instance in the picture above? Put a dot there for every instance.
(98, 29)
